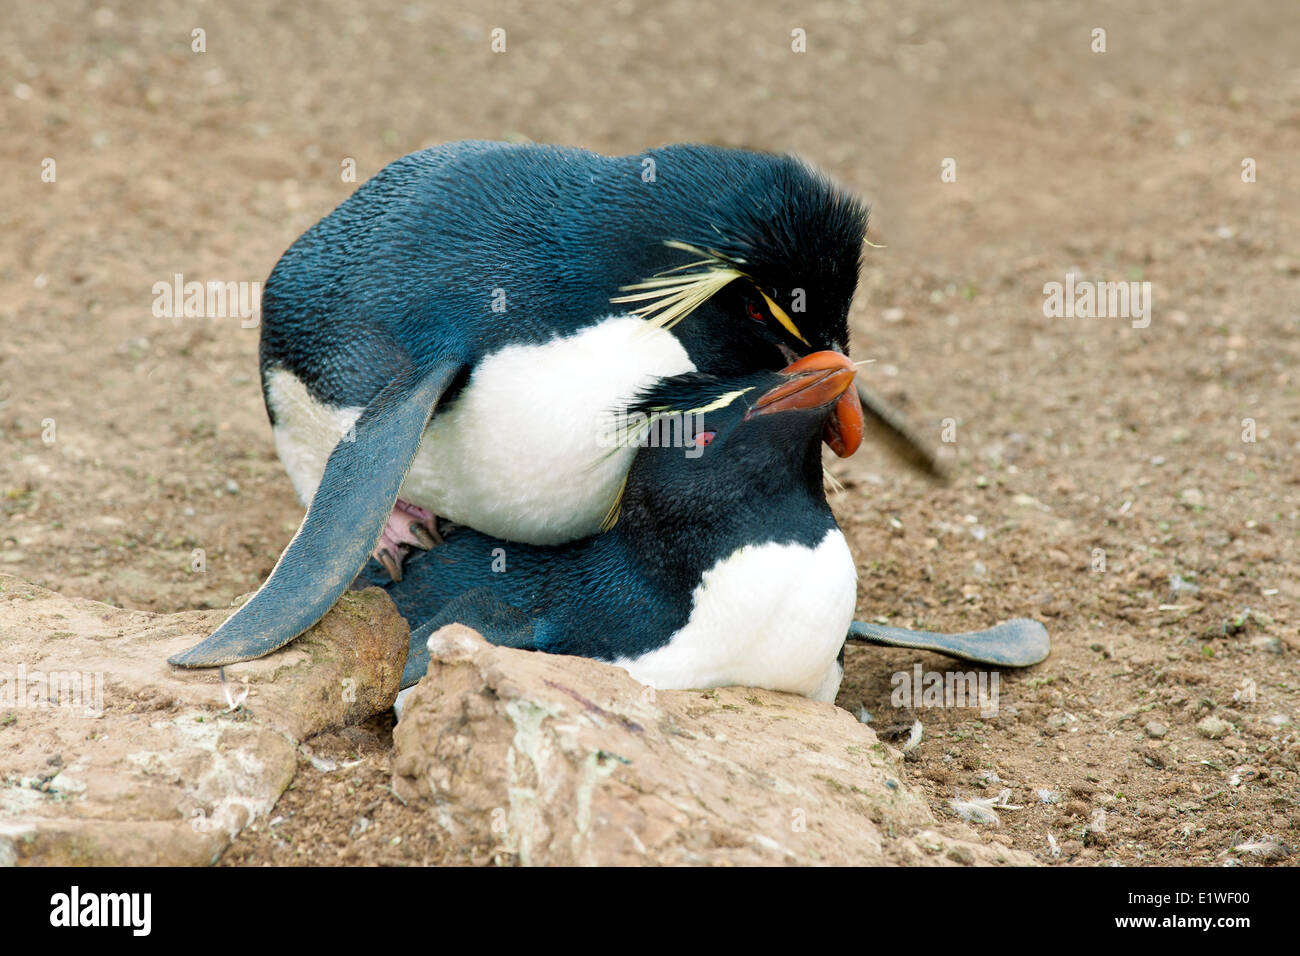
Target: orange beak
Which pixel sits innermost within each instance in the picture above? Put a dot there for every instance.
(817, 380)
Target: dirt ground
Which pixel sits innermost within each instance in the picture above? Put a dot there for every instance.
(1100, 480)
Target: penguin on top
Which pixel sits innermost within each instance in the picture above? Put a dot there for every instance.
(722, 563)
(446, 341)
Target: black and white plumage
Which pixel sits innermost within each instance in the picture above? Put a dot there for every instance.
(724, 565)
(454, 335)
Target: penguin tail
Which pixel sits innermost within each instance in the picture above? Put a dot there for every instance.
(1017, 643)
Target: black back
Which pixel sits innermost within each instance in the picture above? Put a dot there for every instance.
(413, 261)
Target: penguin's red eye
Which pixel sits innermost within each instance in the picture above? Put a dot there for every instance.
(705, 438)
(754, 312)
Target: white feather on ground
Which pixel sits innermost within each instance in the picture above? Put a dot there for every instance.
(982, 809)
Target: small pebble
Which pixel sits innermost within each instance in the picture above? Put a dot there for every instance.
(1215, 728)
(1155, 729)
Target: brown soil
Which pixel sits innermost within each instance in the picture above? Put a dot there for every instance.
(1076, 439)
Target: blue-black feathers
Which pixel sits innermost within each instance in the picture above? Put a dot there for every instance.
(423, 257)
(626, 591)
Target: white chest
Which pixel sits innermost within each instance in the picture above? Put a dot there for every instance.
(521, 454)
(305, 431)
(771, 616)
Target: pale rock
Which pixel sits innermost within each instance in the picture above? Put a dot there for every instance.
(564, 760)
(160, 769)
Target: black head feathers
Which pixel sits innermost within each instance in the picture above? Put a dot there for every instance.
(780, 222)
(766, 248)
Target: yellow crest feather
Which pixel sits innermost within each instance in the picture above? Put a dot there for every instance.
(675, 293)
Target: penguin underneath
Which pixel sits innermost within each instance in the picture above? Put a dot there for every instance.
(445, 342)
(723, 566)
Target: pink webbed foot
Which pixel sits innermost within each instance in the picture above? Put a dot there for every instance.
(409, 526)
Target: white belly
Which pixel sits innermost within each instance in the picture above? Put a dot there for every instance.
(772, 616)
(305, 431)
(519, 454)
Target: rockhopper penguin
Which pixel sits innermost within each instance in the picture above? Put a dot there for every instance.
(447, 339)
(723, 564)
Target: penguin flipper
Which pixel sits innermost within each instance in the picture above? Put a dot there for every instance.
(501, 623)
(1016, 643)
(343, 522)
